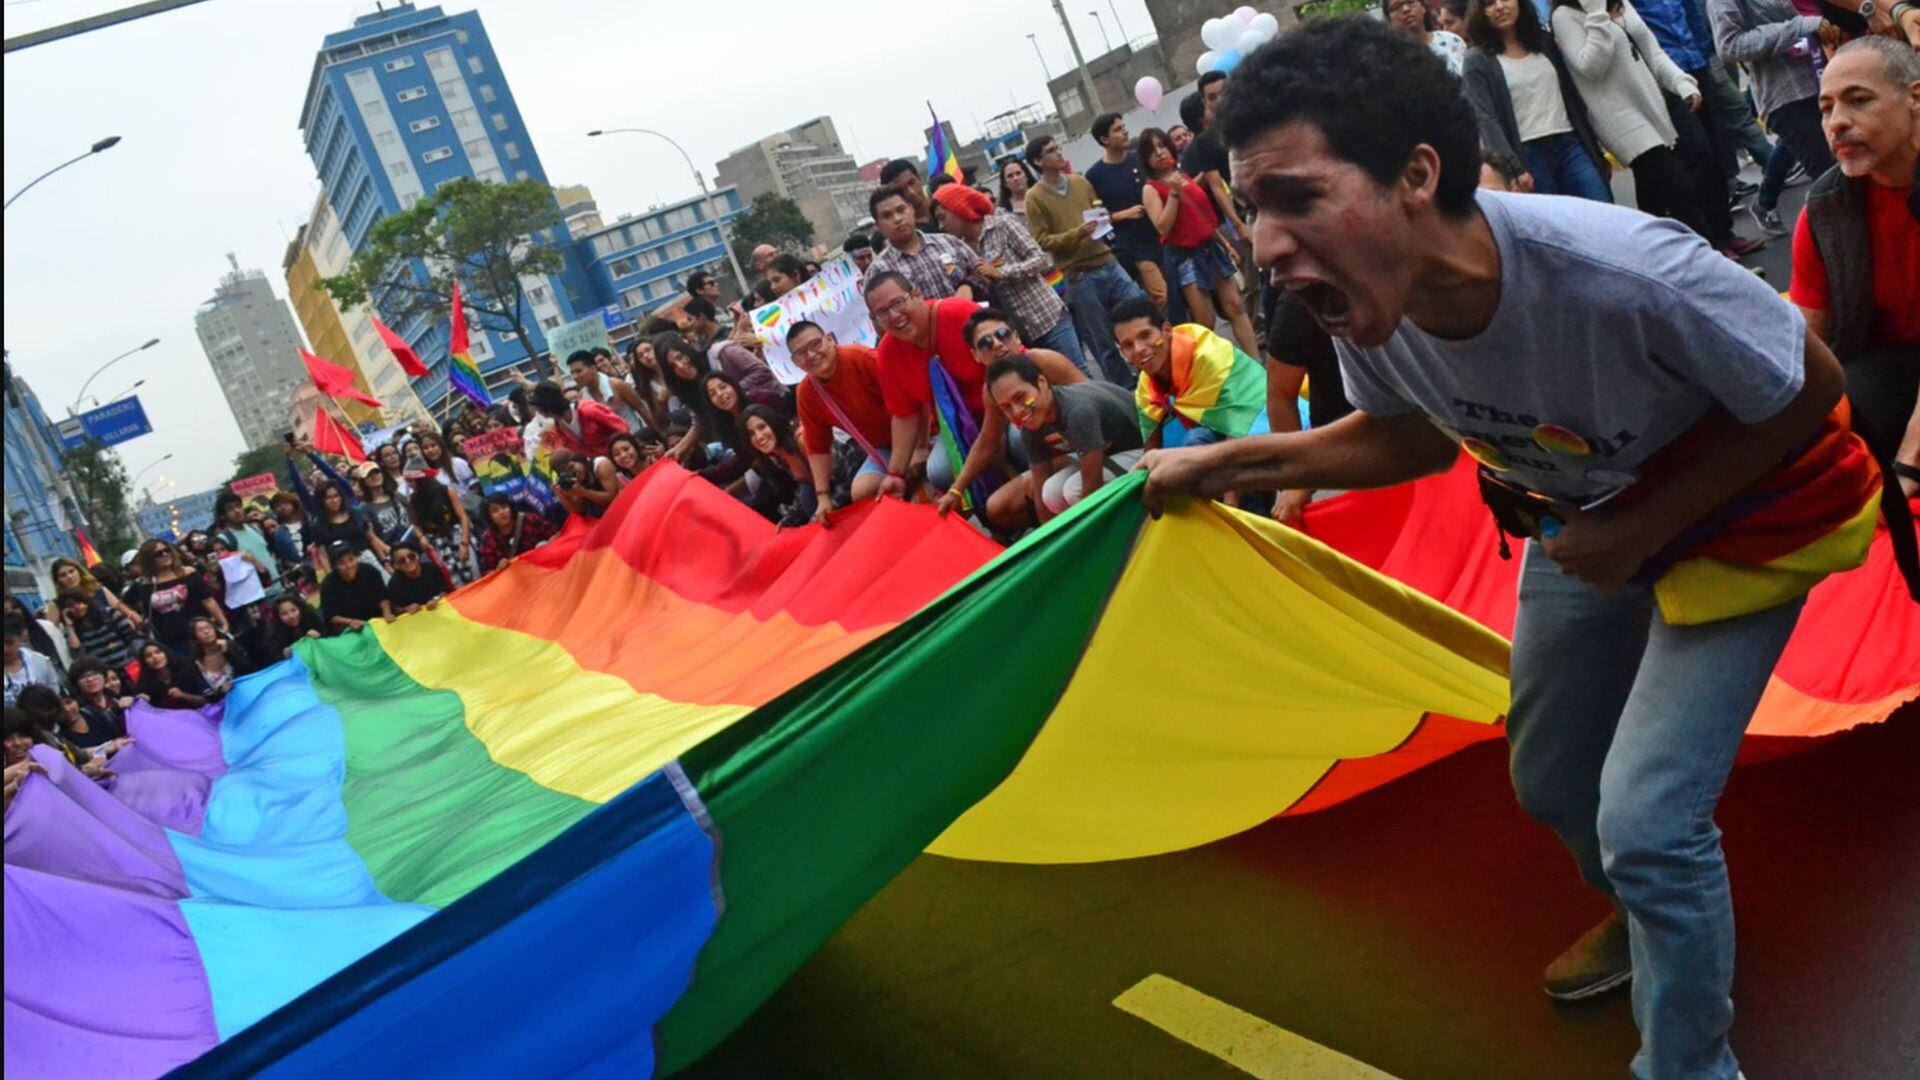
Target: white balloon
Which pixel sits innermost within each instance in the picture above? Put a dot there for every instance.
(1206, 62)
(1244, 13)
(1219, 33)
(1148, 93)
(1250, 40)
(1267, 25)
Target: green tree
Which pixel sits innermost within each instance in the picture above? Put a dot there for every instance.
(269, 458)
(772, 219)
(486, 236)
(100, 483)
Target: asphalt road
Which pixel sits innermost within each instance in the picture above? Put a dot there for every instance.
(1406, 929)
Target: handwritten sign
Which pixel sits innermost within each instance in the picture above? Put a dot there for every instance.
(830, 299)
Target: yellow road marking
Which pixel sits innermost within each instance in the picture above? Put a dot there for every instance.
(1236, 1037)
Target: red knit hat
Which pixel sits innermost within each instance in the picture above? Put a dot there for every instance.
(963, 202)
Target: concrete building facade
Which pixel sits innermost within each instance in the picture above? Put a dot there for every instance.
(320, 250)
(1114, 75)
(253, 345)
(41, 514)
(807, 164)
(641, 262)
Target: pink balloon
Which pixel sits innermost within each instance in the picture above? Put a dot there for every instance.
(1245, 14)
(1148, 93)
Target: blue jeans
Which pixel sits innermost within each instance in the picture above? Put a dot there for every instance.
(1063, 340)
(1774, 180)
(1621, 735)
(1091, 294)
(1561, 166)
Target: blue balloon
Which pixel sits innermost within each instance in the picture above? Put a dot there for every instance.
(1227, 60)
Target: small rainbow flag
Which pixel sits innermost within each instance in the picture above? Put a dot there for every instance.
(1057, 281)
(462, 372)
(89, 555)
(940, 155)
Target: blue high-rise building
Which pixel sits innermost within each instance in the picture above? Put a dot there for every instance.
(40, 514)
(406, 100)
(640, 263)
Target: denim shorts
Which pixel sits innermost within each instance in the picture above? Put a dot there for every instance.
(1205, 266)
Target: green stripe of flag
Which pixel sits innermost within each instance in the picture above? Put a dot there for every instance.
(428, 809)
(826, 793)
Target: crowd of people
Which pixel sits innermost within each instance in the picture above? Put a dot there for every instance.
(1040, 338)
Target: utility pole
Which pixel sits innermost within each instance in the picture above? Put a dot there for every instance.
(1086, 77)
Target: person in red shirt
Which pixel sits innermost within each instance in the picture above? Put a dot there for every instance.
(841, 390)
(920, 337)
(1856, 249)
(582, 427)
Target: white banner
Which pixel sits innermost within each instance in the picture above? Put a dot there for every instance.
(831, 298)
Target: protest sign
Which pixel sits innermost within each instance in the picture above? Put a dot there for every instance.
(255, 491)
(499, 460)
(830, 298)
(586, 334)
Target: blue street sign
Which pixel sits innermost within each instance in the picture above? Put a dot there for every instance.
(613, 315)
(116, 421)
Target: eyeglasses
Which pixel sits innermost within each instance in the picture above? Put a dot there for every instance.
(816, 347)
(993, 337)
(898, 304)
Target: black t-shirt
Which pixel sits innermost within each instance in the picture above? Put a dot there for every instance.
(403, 591)
(180, 675)
(1119, 189)
(390, 519)
(1294, 338)
(103, 726)
(322, 532)
(169, 607)
(1206, 153)
(356, 599)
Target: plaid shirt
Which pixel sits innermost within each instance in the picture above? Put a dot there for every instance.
(937, 271)
(1022, 287)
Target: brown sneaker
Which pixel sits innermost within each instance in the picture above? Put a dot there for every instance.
(1593, 965)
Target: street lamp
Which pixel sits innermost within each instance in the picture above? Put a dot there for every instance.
(1097, 21)
(1042, 56)
(134, 484)
(732, 259)
(107, 143)
(151, 342)
(95, 398)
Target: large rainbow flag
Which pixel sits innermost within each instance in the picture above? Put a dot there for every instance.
(590, 812)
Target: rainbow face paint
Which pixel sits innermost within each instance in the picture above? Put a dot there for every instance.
(1566, 442)
(1486, 454)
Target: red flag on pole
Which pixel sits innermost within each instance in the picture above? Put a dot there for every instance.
(334, 380)
(403, 352)
(330, 438)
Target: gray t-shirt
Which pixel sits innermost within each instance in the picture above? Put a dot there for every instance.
(1616, 332)
(1094, 415)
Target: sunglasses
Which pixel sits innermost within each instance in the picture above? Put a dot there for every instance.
(993, 337)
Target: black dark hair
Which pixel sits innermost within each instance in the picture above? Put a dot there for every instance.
(1103, 123)
(548, 399)
(763, 292)
(226, 499)
(895, 169)
(69, 597)
(781, 425)
(803, 324)
(687, 390)
(15, 626)
(987, 315)
(700, 308)
(1526, 26)
(432, 505)
(486, 508)
(855, 241)
(1426, 14)
(1193, 112)
(1207, 80)
(283, 637)
(1143, 148)
(697, 281)
(880, 195)
(84, 665)
(1021, 365)
(791, 265)
(881, 278)
(939, 181)
(1458, 7)
(39, 703)
(1000, 173)
(1374, 93)
(660, 324)
(1504, 164)
(1037, 149)
(627, 437)
(1139, 307)
(580, 356)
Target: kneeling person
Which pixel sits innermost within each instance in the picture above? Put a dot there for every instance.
(1195, 386)
(1092, 423)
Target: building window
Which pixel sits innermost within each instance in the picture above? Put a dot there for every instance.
(603, 245)
(477, 148)
(427, 124)
(513, 151)
(538, 294)
(386, 138)
(474, 65)
(621, 267)
(460, 36)
(400, 64)
(499, 121)
(490, 175)
(550, 322)
(521, 174)
(486, 93)
(400, 169)
(411, 93)
(438, 153)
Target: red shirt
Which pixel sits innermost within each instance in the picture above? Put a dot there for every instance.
(1896, 267)
(1195, 220)
(593, 425)
(856, 389)
(903, 365)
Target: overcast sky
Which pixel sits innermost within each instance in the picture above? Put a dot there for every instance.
(123, 247)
